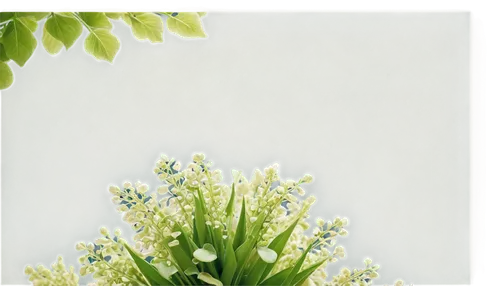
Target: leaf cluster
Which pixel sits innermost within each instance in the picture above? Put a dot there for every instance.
(62, 29)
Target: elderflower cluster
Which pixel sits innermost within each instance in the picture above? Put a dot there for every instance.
(265, 201)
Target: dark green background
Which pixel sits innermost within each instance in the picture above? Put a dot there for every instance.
(374, 105)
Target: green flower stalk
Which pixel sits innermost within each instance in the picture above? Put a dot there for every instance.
(195, 230)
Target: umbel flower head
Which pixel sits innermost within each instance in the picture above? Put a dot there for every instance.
(196, 230)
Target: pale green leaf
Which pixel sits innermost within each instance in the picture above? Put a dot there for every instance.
(207, 278)
(51, 45)
(64, 27)
(6, 76)
(126, 19)
(147, 26)
(267, 254)
(192, 271)
(186, 24)
(205, 254)
(165, 270)
(19, 42)
(202, 14)
(114, 15)
(29, 22)
(102, 44)
(96, 20)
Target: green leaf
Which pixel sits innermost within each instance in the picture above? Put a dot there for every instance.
(278, 278)
(297, 266)
(5, 16)
(96, 20)
(147, 26)
(29, 22)
(205, 254)
(304, 274)
(51, 44)
(278, 244)
(240, 234)
(202, 14)
(18, 41)
(3, 55)
(102, 44)
(267, 254)
(149, 272)
(186, 24)
(183, 258)
(207, 278)
(200, 225)
(114, 15)
(6, 76)
(229, 267)
(37, 15)
(64, 27)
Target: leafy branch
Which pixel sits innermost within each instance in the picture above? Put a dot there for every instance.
(62, 29)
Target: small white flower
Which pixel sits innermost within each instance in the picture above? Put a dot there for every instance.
(162, 189)
(367, 261)
(307, 178)
(80, 246)
(199, 157)
(320, 222)
(114, 190)
(127, 185)
(104, 231)
(117, 232)
(142, 188)
(164, 157)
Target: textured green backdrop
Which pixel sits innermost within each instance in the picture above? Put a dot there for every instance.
(374, 105)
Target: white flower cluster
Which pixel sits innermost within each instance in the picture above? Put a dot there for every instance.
(59, 275)
(271, 204)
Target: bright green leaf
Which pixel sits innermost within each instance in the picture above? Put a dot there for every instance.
(6, 76)
(51, 45)
(297, 267)
(149, 272)
(102, 44)
(207, 278)
(240, 234)
(229, 267)
(19, 42)
(202, 14)
(304, 274)
(186, 24)
(95, 20)
(147, 26)
(64, 27)
(114, 15)
(278, 244)
(267, 254)
(205, 254)
(29, 22)
(277, 278)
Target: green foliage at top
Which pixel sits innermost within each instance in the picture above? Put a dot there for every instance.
(17, 42)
